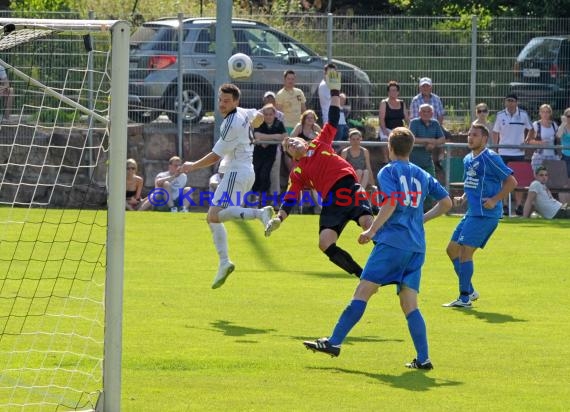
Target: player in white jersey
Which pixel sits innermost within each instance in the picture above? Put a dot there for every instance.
(235, 145)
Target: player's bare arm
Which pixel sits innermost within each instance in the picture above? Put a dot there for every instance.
(208, 160)
(383, 215)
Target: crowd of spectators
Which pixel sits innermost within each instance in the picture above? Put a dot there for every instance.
(286, 113)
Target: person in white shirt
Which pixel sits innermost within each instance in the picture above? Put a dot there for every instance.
(510, 128)
(173, 181)
(543, 133)
(235, 145)
(540, 199)
(325, 94)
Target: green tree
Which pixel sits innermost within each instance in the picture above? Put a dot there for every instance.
(498, 8)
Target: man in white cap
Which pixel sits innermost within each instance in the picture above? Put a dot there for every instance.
(426, 96)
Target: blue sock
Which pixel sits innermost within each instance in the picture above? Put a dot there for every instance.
(347, 320)
(417, 327)
(457, 267)
(465, 277)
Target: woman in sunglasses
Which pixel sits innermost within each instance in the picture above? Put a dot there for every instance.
(482, 115)
(134, 185)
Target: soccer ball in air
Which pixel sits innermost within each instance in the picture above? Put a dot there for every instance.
(240, 66)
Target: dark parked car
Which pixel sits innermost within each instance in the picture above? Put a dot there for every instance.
(542, 73)
(154, 68)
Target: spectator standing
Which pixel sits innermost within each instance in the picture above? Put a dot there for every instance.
(563, 138)
(173, 181)
(511, 126)
(429, 135)
(307, 128)
(482, 116)
(325, 93)
(543, 133)
(540, 199)
(275, 179)
(392, 112)
(271, 130)
(426, 96)
(235, 146)
(290, 100)
(6, 92)
(487, 181)
(399, 249)
(134, 186)
(342, 130)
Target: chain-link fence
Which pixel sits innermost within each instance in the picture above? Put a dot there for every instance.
(470, 60)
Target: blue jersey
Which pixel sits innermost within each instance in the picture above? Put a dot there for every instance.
(407, 186)
(484, 176)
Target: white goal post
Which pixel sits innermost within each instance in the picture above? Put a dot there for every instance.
(62, 147)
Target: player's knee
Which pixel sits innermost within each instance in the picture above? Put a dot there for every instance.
(452, 250)
(212, 216)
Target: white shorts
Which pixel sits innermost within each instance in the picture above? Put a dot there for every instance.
(233, 188)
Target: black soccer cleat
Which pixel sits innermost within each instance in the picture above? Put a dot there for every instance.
(426, 365)
(322, 345)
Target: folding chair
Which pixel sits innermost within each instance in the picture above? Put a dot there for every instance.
(522, 171)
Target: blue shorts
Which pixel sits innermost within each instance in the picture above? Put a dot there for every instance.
(474, 231)
(389, 265)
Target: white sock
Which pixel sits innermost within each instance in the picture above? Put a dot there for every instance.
(220, 237)
(238, 213)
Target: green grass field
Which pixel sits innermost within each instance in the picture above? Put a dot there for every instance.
(188, 347)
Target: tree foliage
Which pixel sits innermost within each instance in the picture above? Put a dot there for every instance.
(151, 9)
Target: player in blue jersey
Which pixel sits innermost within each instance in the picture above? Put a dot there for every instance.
(487, 181)
(399, 250)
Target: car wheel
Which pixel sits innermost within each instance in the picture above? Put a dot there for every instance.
(143, 116)
(193, 107)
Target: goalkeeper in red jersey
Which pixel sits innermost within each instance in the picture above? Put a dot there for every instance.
(320, 168)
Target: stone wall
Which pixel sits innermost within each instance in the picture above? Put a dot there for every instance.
(74, 185)
(152, 145)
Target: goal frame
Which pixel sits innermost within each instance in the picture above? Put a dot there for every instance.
(110, 399)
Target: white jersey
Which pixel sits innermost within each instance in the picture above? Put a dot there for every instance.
(235, 144)
(544, 203)
(511, 130)
(179, 182)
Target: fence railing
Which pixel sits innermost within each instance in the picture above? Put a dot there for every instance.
(469, 60)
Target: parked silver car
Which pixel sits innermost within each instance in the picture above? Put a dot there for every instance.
(154, 68)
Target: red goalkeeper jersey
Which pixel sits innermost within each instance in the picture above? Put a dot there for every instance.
(321, 167)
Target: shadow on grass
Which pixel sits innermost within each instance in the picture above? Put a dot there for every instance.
(535, 223)
(329, 275)
(261, 246)
(412, 380)
(230, 329)
(350, 340)
(490, 317)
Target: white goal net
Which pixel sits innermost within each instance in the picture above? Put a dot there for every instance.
(62, 188)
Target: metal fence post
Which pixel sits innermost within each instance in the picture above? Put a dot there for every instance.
(180, 85)
(329, 35)
(473, 88)
(90, 101)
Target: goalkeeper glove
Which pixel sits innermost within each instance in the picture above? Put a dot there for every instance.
(272, 226)
(332, 79)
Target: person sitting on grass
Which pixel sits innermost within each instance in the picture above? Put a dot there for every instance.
(540, 199)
